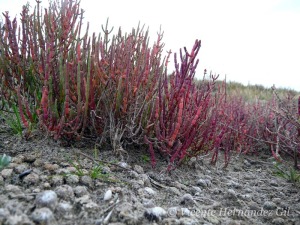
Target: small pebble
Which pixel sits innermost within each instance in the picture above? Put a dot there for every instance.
(79, 191)
(36, 190)
(277, 200)
(31, 179)
(30, 158)
(149, 191)
(155, 214)
(268, 205)
(145, 179)
(234, 184)
(46, 185)
(187, 199)
(247, 163)
(204, 183)
(46, 199)
(138, 169)
(192, 161)
(65, 192)
(64, 208)
(21, 168)
(83, 199)
(133, 174)
(38, 162)
(217, 191)
(246, 197)
(71, 169)
(108, 195)
(6, 173)
(57, 180)
(72, 179)
(43, 216)
(174, 190)
(231, 194)
(274, 183)
(62, 171)
(278, 221)
(86, 180)
(51, 167)
(124, 165)
(196, 190)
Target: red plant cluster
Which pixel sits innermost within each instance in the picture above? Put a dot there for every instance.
(118, 88)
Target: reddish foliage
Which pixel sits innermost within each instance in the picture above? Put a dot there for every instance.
(119, 89)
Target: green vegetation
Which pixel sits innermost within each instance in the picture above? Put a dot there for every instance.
(13, 120)
(4, 161)
(290, 174)
(145, 158)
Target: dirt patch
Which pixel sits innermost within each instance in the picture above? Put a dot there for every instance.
(47, 183)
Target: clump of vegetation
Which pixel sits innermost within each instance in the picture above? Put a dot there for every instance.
(116, 88)
(253, 92)
(4, 161)
(13, 120)
(291, 174)
(96, 172)
(145, 158)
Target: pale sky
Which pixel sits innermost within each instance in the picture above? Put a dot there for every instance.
(249, 41)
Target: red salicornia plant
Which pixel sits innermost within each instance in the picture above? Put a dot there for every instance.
(46, 69)
(182, 112)
(116, 88)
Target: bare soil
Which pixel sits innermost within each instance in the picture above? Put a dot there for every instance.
(51, 182)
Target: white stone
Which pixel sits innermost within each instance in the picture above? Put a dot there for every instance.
(43, 216)
(46, 199)
(108, 195)
(150, 191)
(155, 213)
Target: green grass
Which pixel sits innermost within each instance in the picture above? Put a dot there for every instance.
(13, 120)
(145, 158)
(253, 92)
(291, 174)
